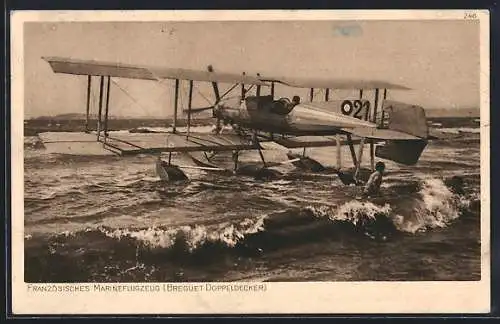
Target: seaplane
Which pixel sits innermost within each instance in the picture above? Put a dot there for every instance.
(394, 130)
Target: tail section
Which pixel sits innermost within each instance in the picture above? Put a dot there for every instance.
(404, 152)
(404, 118)
(409, 119)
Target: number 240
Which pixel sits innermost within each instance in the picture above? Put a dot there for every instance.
(470, 15)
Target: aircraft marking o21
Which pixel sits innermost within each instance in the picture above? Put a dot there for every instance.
(355, 108)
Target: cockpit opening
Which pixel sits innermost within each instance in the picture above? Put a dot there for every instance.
(283, 106)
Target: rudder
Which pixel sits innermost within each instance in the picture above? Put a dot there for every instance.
(404, 118)
(408, 119)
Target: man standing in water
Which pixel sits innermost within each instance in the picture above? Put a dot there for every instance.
(372, 187)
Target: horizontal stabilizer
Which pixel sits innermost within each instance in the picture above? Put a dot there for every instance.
(383, 134)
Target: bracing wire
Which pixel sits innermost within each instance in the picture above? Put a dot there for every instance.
(203, 96)
(229, 90)
(127, 94)
(159, 80)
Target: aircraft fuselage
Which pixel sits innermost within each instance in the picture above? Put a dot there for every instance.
(282, 117)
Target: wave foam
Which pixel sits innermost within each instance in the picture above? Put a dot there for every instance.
(436, 206)
(191, 237)
(433, 206)
(458, 130)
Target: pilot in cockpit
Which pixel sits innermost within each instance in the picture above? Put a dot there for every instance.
(284, 106)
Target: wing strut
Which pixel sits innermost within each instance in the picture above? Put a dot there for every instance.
(351, 147)
(257, 92)
(106, 114)
(176, 102)
(89, 87)
(375, 106)
(210, 68)
(358, 164)
(190, 102)
(256, 141)
(99, 116)
(383, 112)
(339, 153)
(374, 120)
(243, 89)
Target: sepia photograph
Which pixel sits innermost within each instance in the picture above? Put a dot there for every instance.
(343, 149)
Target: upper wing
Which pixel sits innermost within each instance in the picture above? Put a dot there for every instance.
(334, 83)
(114, 69)
(120, 70)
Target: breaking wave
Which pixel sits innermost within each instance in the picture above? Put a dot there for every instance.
(431, 204)
(434, 205)
(191, 237)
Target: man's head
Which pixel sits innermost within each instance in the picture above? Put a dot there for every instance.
(380, 166)
(296, 100)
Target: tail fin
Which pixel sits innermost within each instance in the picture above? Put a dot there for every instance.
(408, 119)
(404, 118)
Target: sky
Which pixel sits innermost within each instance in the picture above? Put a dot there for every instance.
(437, 59)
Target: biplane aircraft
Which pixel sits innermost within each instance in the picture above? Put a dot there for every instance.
(393, 130)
